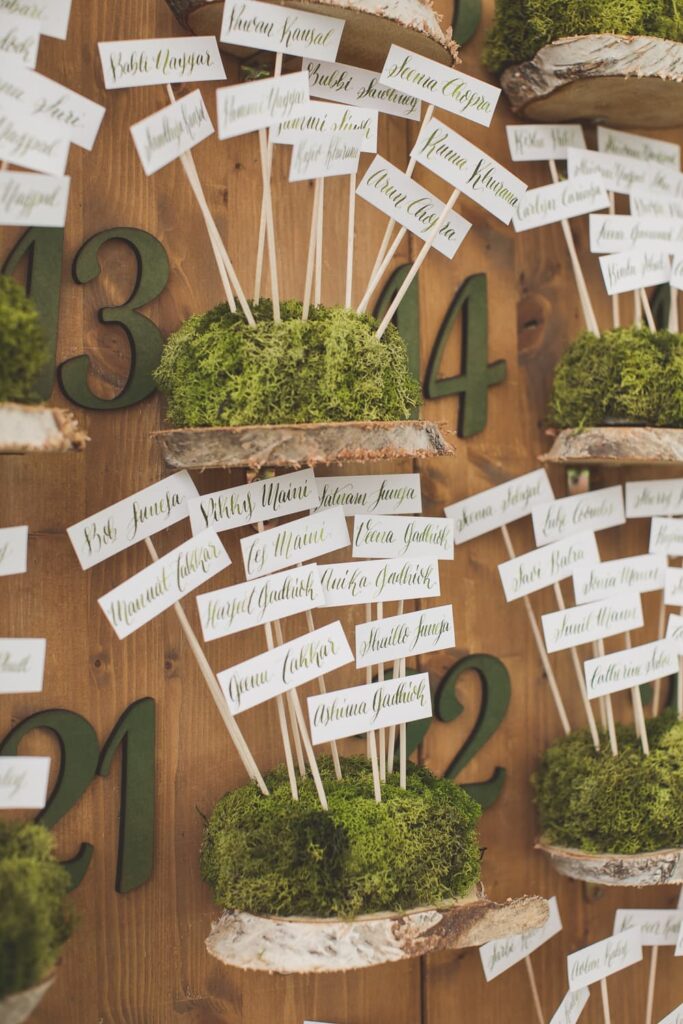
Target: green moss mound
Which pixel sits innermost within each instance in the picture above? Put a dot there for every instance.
(35, 921)
(23, 350)
(625, 804)
(273, 855)
(626, 375)
(522, 27)
(216, 370)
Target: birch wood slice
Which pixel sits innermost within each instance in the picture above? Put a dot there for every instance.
(289, 945)
(623, 81)
(301, 444)
(19, 1006)
(371, 27)
(37, 428)
(618, 446)
(661, 867)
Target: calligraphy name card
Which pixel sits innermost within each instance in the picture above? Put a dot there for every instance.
(22, 665)
(499, 955)
(232, 609)
(675, 1017)
(674, 632)
(19, 38)
(543, 141)
(633, 269)
(298, 541)
(13, 550)
(33, 200)
(31, 141)
(163, 136)
(398, 536)
(281, 29)
(547, 565)
(618, 173)
(77, 117)
(646, 498)
(360, 709)
(666, 536)
(23, 782)
(154, 589)
(403, 636)
(285, 667)
(395, 579)
(130, 520)
(249, 106)
(397, 494)
(603, 958)
(136, 62)
(50, 17)
(332, 155)
(673, 586)
(625, 669)
(361, 88)
(643, 573)
(255, 503)
(561, 201)
(645, 203)
(667, 154)
(499, 505)
(323, 117)
(572, 627)
(620, 232)
(596, 510)
(571, 1007)
(657, 927)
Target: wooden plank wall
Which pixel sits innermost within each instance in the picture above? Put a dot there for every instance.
(140, 958)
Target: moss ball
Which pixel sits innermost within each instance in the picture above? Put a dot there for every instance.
(630, 803)
(522, 27)
(627, 375)
(274, 855)
(35, 920)
(216, 370)
(23, 351)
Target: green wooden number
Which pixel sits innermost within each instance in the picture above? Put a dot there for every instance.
(495, 697)
(79, 751)
(477, 375)
(466, 18)
(43, 248)
(144, 337)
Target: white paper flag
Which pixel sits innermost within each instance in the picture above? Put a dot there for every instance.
(625, 669)
(249, 106)
(666, 536)
(33, 200)
(618, 173)
(572, 627)
(561, 201)
(23, 782)
(633, 269)
(571, 1007)
(547, 565)
(543, 141)
(603, 958)
(22, 664)
(619, 233)
(280, 29)
(255, 503)
(394, 579)
(638, 147)
(298, 541)
(404, 636)
(135, 62)
(32, 142)
(49, 17)
(673, 584)
(360, 709)
(320, 117)
(19, 39)
(643, 573)
(394, 494)
(593, 510)
(499, 505)
(346, 84)
(674, 632)
(645, 498)
(499, 955)
(657, 927)
(171, 131)
(13, 550)
(676, 1016)
(329, 156)
(645, 203)
(402, 536)
(76, 117)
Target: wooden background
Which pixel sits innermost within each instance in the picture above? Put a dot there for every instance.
(140, 958)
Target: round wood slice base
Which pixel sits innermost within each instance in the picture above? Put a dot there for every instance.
(301, 444)
(661, 867)
(618, 446)
(19, 1006)
(622, 81)
(289, 945)
(370, 28)
(37, 428)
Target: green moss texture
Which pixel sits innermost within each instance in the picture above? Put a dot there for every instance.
(272, 855)
(625, 804)
(626, 375)
(522, 27)
(216, 370)
(35, 920)
(23, 351)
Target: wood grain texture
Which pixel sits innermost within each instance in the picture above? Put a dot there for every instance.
(140, 958)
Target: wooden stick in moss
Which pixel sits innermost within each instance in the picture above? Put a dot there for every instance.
(605, 1001)
(262, 220)
(647, 309)
(638, 712)
(673, 323)
(267, 201)
(245, 754)
(294, 725)
(616, 312)
(578, 672)
(322, 688)
(350, 239)
(606, 702)
(282, 722)
(391, 739)
(376, 278)
(582, 288)
(310, 259)
(319, 245)
(421, 257)
(372, 742)
(534, 990)
(651, 979)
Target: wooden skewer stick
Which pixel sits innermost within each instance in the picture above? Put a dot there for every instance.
(371, 739)
(673, 323)
(616, 313)
(578, 672)
(661, 629)
(637, 309)
(245, 754)
(582, 288)
(402, 739)
(382, 753)
(652, 977)
(270, 226)
(376, 278)
(298, 749)
(350, 240)
(319, 244)
(606, 702)
(679, 686)
(638, 712)
(540, 646)
(391, 739)
(310, 259)
(260, 248)
(419, 260)
(605, 1001)
(534, 990)
(647, 308)
(282, 721)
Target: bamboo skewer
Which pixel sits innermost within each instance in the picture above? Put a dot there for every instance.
(616, 313)
(270, 226)
(651, 979)
(350, 240)
(391, 738)
(606, 703)
(371, 739)
(298, 749)
(402, 740)
(582, 288)
(649, 318)
(282, 721)
(260, 247)
(312, 246)
(534, 990)
(319, 244)
(381, 732)
(605, 1001)
(376, 278)
(638, 712)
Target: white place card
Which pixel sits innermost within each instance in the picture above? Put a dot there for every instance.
(645, 203)
(572, 627)
(232, 609)
(130, 520)
(360, 709)
(51, 17)
(344, 83)
(499, 955)
(547, 565)
(603, 958)
(31, 142)
(678, 951)
(402, 536)
(255, 503)
(642, 573)
(134, 62)
(161, 138)
(674, 632)
(280, 29)
(633, 269)
(498, 506)
(321, 117)
(23, 782)
(673, 584)
(404, 636)
(560, 201)
(13, 550)
(249, 106)
(77, 117)
(593, 510)
(625, 669)
(328, 157)
(665, 181)
(395, 494)
(285, 667)
(618, 173)
(415, 208)
(543, 141)
(150, 592)
(22, 664)
(298, 541)
(469, 169)
(393, 579)
(440, 84)
(620, 232)
(638, 147)
(571, 1007)
(19, 39)
(645, 498)
(676, 1016)
(33, 200)
(657, 927)
(666, 536)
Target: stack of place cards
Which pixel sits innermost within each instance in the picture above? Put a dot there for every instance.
(499, 506)
(13, 550)
(402, 537)
(499, 955)
(360, 709)
(398, 494)
(592, 963)
(256, 502)
(23, 782)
